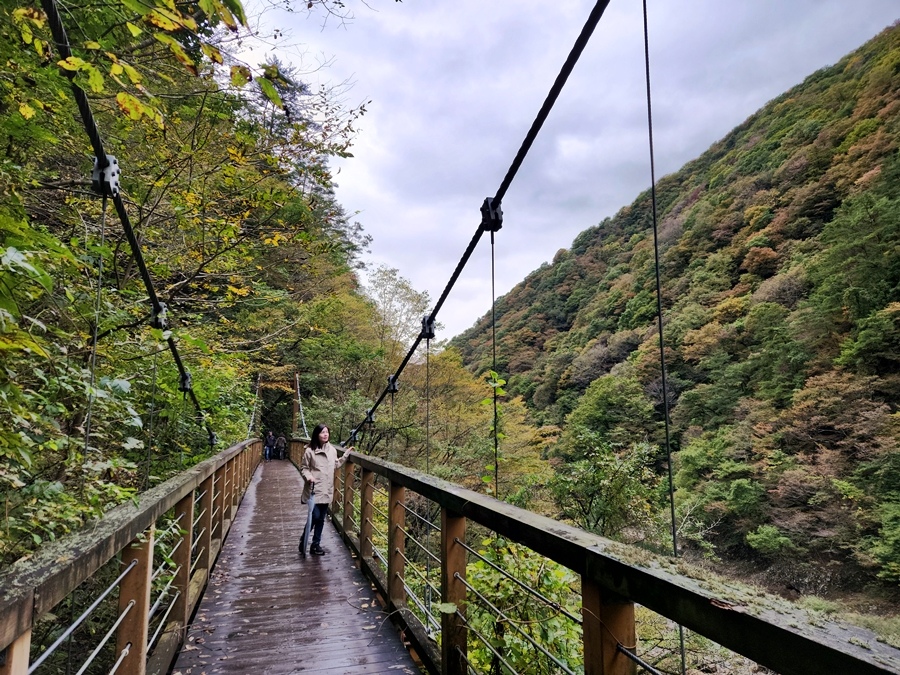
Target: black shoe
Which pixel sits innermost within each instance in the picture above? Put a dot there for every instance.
(316, 550)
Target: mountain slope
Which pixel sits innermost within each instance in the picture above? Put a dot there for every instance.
(780, 266)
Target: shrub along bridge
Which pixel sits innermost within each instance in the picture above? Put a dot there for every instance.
(143, 569)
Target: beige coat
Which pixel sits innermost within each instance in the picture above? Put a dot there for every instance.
(319, 465)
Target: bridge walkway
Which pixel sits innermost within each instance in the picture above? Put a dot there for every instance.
(267, 611)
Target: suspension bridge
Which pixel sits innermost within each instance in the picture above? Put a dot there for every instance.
(201, 574)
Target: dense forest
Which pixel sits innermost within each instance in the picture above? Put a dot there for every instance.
(779, 263)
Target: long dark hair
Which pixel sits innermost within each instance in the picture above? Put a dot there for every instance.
(314, 441)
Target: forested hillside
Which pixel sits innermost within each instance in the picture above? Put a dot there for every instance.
(780, 264)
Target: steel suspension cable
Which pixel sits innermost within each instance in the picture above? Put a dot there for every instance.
(93, 369)
(659, 309)
(492, 216)
(494, 367)
(103, 160)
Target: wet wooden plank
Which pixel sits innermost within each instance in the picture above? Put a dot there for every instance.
(268, 611)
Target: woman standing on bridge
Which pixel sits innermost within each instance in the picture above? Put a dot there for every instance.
(317, 468)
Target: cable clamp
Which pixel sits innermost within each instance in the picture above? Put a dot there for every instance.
(393, 386)
(105, 180)
(491, 215)
(370, 417)
(427, 327)
(352, 438)
(185, 384)
(213, 439)
(158, 317)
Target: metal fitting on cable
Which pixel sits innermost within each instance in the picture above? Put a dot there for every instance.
(427, 327)
(159, 318)
(491, 215)
(105, 180)
(370, 417)
(186, 383)
(352, 438)
(393, 386)
(213, 439)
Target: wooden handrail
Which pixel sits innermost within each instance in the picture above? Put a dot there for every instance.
(761, 627)
(31, 588)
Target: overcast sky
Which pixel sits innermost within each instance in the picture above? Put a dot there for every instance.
(454, 87)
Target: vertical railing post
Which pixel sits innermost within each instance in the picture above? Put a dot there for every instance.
(218, 522)
(347, 502)
(453, 568)
(608, 622)
(132, 633)
(224, 483)
(204, 552)
(16, 656)
(396, 546)
(366, 496)
(182, 559)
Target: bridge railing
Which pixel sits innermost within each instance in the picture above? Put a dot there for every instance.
(387, 513)
(143, 567)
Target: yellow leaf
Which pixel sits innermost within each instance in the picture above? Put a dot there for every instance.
(39, 47)
(92, 45)
(130, 105)
(26, 111)
(212, 53)
(135, 31)
(132, 73)
(71, 63)
(116, 69)
(239, 291)
(161, 20)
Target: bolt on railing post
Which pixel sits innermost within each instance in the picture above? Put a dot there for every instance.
(182, 559)
(608, 622)
(16, 655)
(366, 495)
(396, 546)
(347, 503)
(454, 633)
(134, 630)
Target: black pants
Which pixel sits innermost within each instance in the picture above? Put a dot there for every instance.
(318, 516)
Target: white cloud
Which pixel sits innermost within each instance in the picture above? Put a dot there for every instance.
(455, 86)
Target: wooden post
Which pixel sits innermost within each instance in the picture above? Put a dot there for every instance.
(16, 656)
(453, 562)
(396, 546)
(608, 620)
(366, 495)
(182, 560)
(204, 550)
(218, 505)
(133, 631)
(347, 502)
(296, 412)
(225, 488)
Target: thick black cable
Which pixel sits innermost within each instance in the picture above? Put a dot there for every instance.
(62, 44)
(659, 311)
(549, 101)
(555, 90)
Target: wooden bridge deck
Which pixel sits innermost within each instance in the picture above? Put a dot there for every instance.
(267, 611)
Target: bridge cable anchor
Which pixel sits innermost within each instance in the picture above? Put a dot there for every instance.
(491, 215)
(105, 179)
